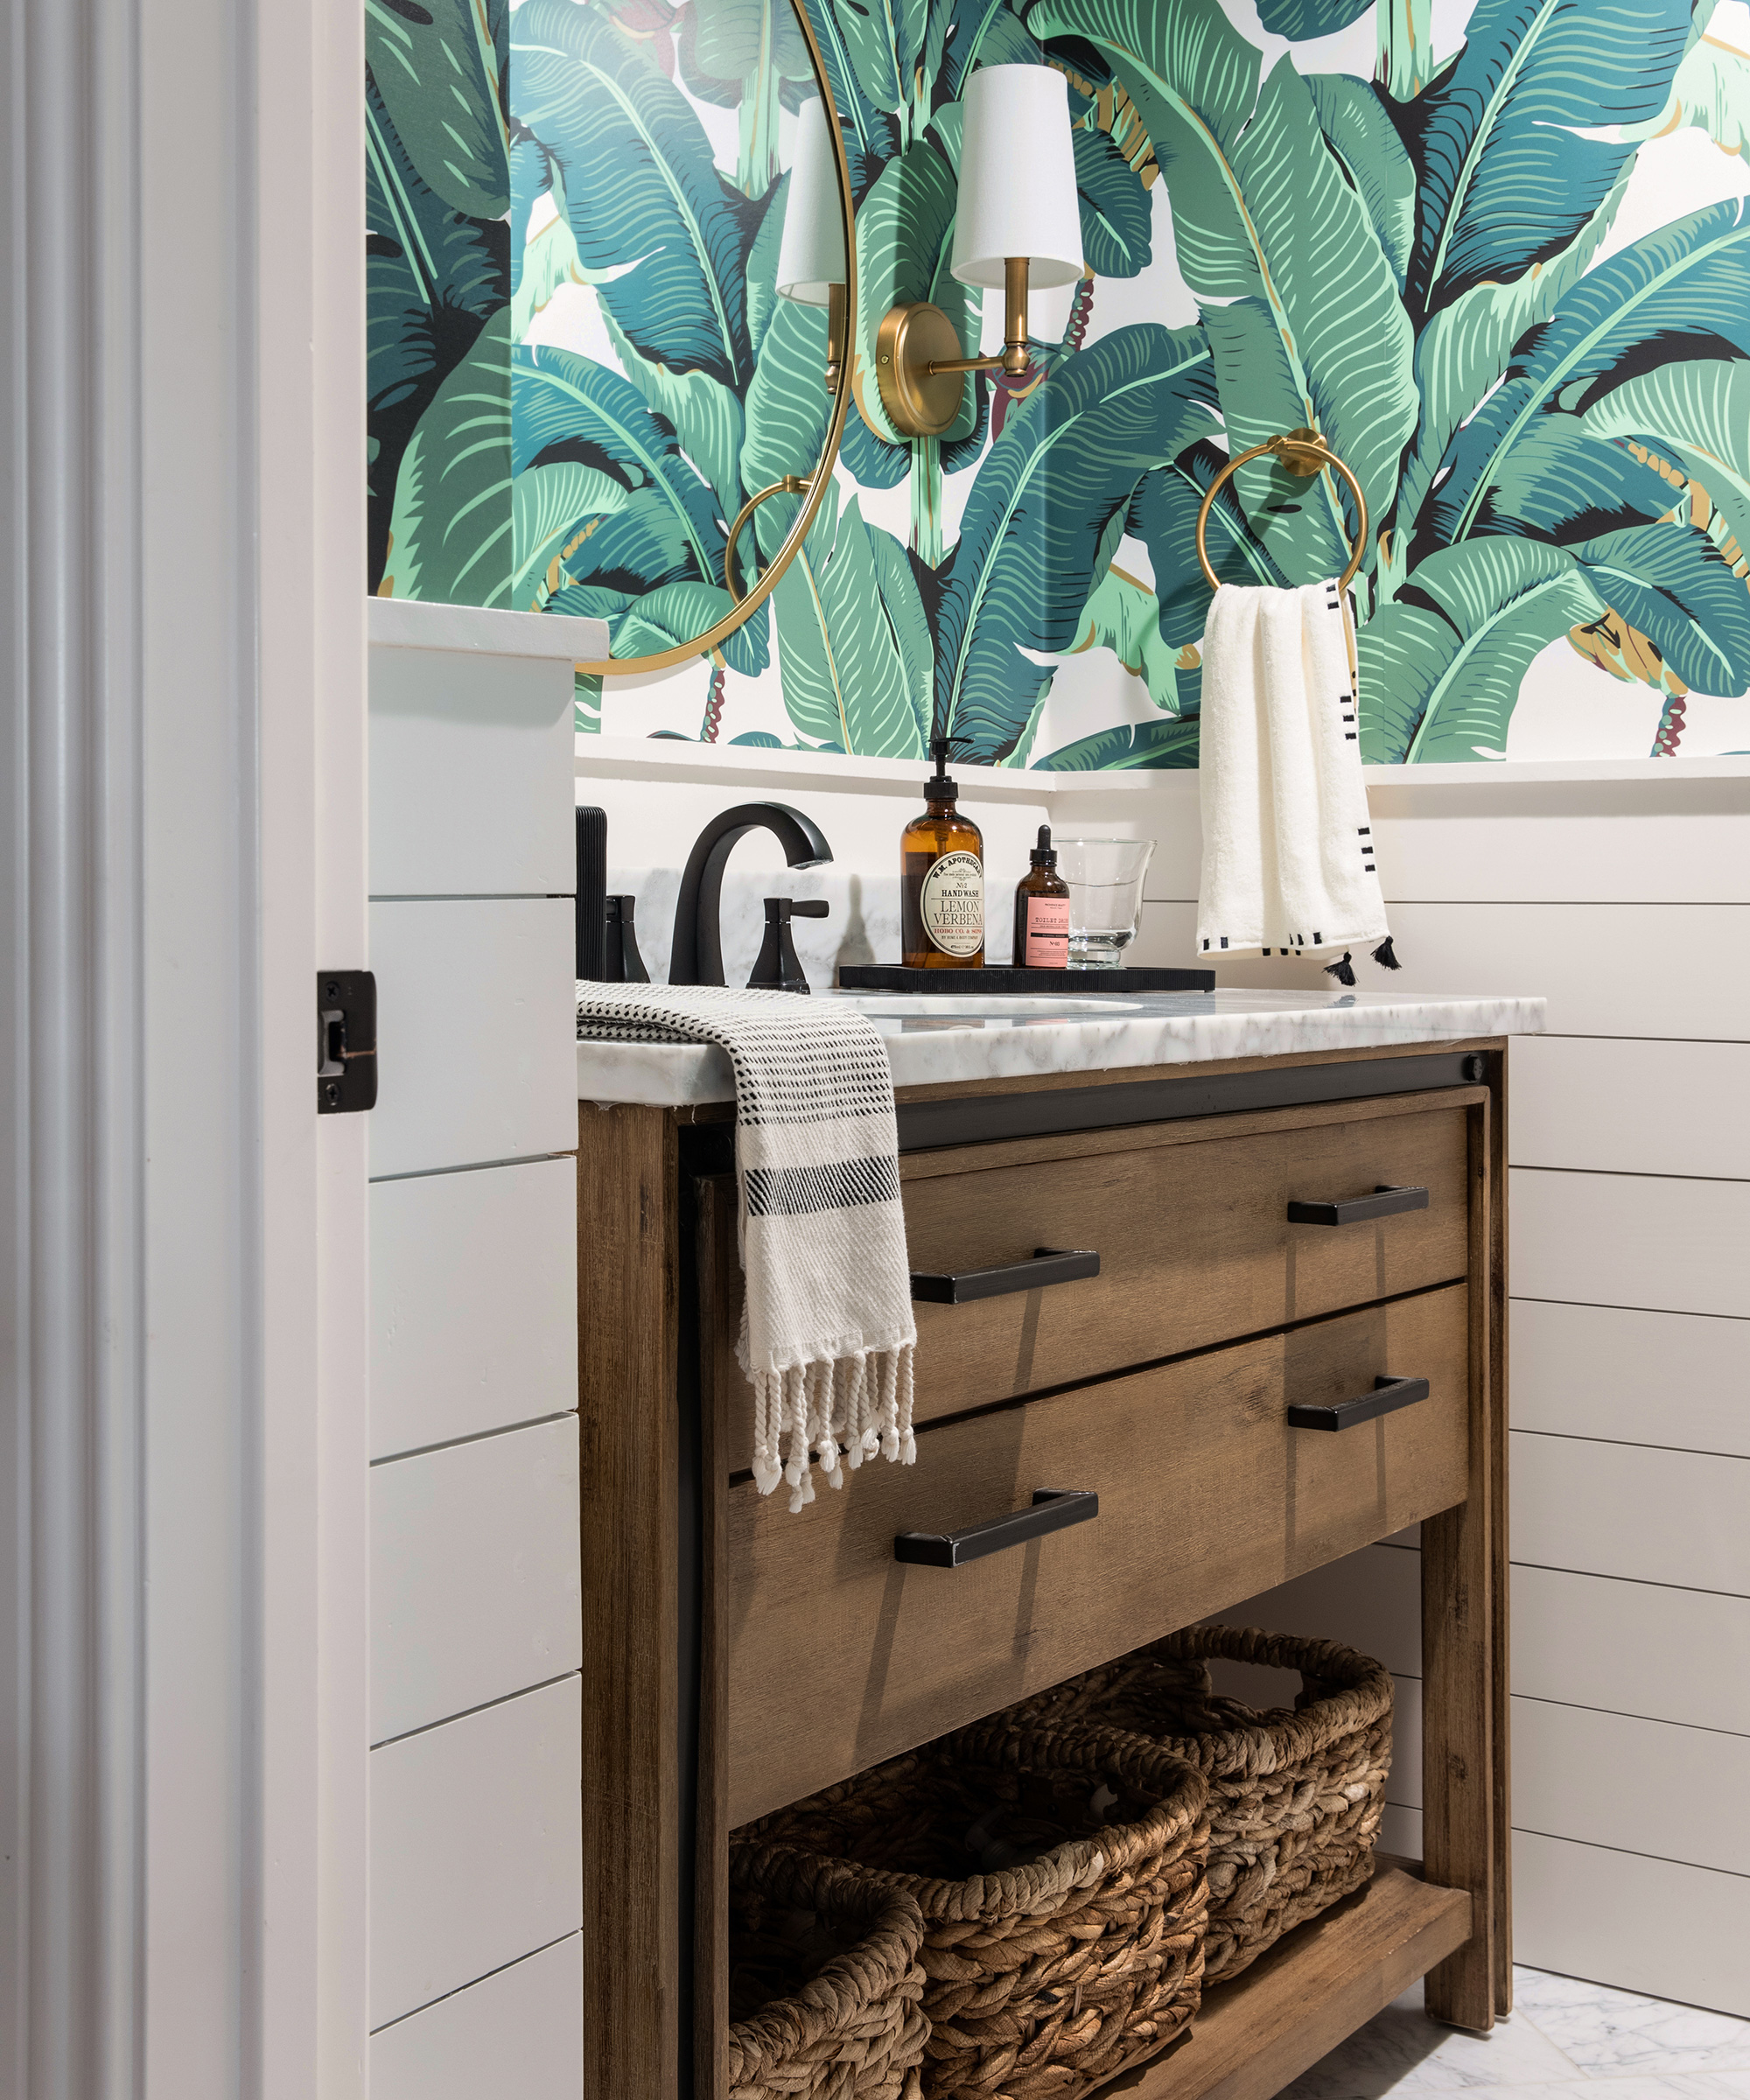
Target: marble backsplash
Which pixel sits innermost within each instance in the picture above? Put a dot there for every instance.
(861, 923)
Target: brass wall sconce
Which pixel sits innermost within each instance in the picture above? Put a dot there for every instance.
(1018, 225)
(811, 255)
(812, 271)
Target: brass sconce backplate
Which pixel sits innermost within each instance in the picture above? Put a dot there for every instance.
(919, 402)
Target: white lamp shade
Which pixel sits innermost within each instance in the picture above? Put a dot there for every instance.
(811, 253)
(1017, 179)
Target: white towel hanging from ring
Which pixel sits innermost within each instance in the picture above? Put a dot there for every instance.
(1288, 852)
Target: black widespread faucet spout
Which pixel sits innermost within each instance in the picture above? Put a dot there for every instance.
(696, 956)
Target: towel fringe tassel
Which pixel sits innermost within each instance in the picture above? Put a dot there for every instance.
(1386, 956)
(1343, 971)
(841, 1411)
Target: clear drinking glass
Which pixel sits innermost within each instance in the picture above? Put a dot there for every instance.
(1105, 879)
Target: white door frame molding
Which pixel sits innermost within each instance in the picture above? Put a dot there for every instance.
(183, 1289)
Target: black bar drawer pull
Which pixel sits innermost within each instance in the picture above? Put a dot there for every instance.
(1387, 1396)
(1053, 1509)
(1049, 1265)
(1384, 1202)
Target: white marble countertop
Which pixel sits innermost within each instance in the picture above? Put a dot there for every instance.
(1161, 1028)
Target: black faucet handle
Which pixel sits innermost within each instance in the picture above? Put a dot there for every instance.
(777, 968)
(621, 963)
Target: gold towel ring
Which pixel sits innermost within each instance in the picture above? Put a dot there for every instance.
(1302, 453)
(790, 485)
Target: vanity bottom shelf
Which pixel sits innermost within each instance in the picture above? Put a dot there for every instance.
(1313, 1988)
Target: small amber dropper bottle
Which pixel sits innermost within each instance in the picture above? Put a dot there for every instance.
(1042, 911)
(942, 879)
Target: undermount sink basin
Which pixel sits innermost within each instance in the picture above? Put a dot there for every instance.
(923, 1006)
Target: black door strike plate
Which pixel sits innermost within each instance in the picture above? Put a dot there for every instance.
(345, 1041)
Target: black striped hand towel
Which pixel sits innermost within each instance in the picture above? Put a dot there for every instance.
(826, 1331)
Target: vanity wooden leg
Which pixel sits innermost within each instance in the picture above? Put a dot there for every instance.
(628, 1294)
(1501, 1415)
(719, 1285)
(1462, 1666)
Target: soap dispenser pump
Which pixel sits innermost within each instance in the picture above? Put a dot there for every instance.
(941, 878)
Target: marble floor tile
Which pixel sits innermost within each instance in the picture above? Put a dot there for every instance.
(1612, 2033)
(1401, 2050)
(1565, 2039)
(1678, 2085)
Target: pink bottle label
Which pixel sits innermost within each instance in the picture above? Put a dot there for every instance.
(1047, 933)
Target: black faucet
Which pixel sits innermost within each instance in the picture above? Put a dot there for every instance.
(696, 955)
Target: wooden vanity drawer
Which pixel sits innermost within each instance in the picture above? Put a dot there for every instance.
(840, 1655)
(1190, 1220)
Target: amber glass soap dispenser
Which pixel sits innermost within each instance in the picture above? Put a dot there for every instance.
(942, 879)
(1042, 911)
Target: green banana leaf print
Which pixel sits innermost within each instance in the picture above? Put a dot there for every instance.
(669, 527)
(787, 410)
(1507, 123)
(580, 366)
(639, 183)
(749, 56)
(1035, 538)
(440, 70)
(1123, 615)
(853, 641)
(663, 619)
(1170, 745)
(1366, 146)
(1446, 673)
(450, 533)
(436, 246)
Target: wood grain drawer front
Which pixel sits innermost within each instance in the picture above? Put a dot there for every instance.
(1194, 1244)
(839, 1656)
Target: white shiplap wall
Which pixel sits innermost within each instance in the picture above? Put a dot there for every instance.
(1626, 904)
(476, 1628)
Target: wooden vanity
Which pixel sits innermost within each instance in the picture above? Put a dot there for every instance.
(738, 1657)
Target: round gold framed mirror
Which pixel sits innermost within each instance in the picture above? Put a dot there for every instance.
(678, 360)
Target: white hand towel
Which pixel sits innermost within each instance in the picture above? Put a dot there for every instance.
(826, 1331)
(1288, 859)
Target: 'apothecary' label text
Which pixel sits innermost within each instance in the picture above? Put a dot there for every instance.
(952, 904)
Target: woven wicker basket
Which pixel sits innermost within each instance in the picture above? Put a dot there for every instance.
(824, 1986)
(1061, 1881)
(1295, 1797)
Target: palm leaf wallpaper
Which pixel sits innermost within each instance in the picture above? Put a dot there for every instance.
(1509, 280)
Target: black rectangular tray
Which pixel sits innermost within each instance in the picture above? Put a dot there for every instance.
(1000, 979)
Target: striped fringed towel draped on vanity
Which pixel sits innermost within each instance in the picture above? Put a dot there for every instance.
(826, 1331)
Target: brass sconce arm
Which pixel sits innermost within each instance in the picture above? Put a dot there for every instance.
(1013, 359)
(835, 335)
(918, 376)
